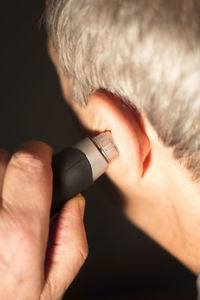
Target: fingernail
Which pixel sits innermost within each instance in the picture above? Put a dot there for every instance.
(81, 202)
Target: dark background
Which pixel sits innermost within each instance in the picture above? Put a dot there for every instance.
(123, 263)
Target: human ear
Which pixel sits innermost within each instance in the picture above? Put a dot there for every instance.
(128, 133)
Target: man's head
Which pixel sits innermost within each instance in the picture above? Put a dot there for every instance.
(133, 67)
(145, 52)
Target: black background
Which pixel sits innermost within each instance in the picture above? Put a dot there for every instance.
(123, 263)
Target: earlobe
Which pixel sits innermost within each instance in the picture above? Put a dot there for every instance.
(128, 133)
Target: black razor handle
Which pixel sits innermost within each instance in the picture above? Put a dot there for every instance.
(72, 174)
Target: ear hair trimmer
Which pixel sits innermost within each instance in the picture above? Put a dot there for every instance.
(76, 168)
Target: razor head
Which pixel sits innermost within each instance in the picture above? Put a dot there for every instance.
(100, 151)
(106, 145)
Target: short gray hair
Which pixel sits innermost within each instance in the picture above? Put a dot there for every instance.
(145, 51)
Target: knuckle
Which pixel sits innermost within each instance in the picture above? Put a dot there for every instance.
(28, 162)
(50, 291)
(83, 252)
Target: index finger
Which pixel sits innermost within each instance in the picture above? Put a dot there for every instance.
(27, 188)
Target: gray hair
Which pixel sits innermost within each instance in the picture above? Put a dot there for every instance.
(145, 51)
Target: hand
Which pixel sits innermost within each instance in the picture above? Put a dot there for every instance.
(28, 269)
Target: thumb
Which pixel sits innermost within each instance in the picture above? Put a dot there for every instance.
(68, 249)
